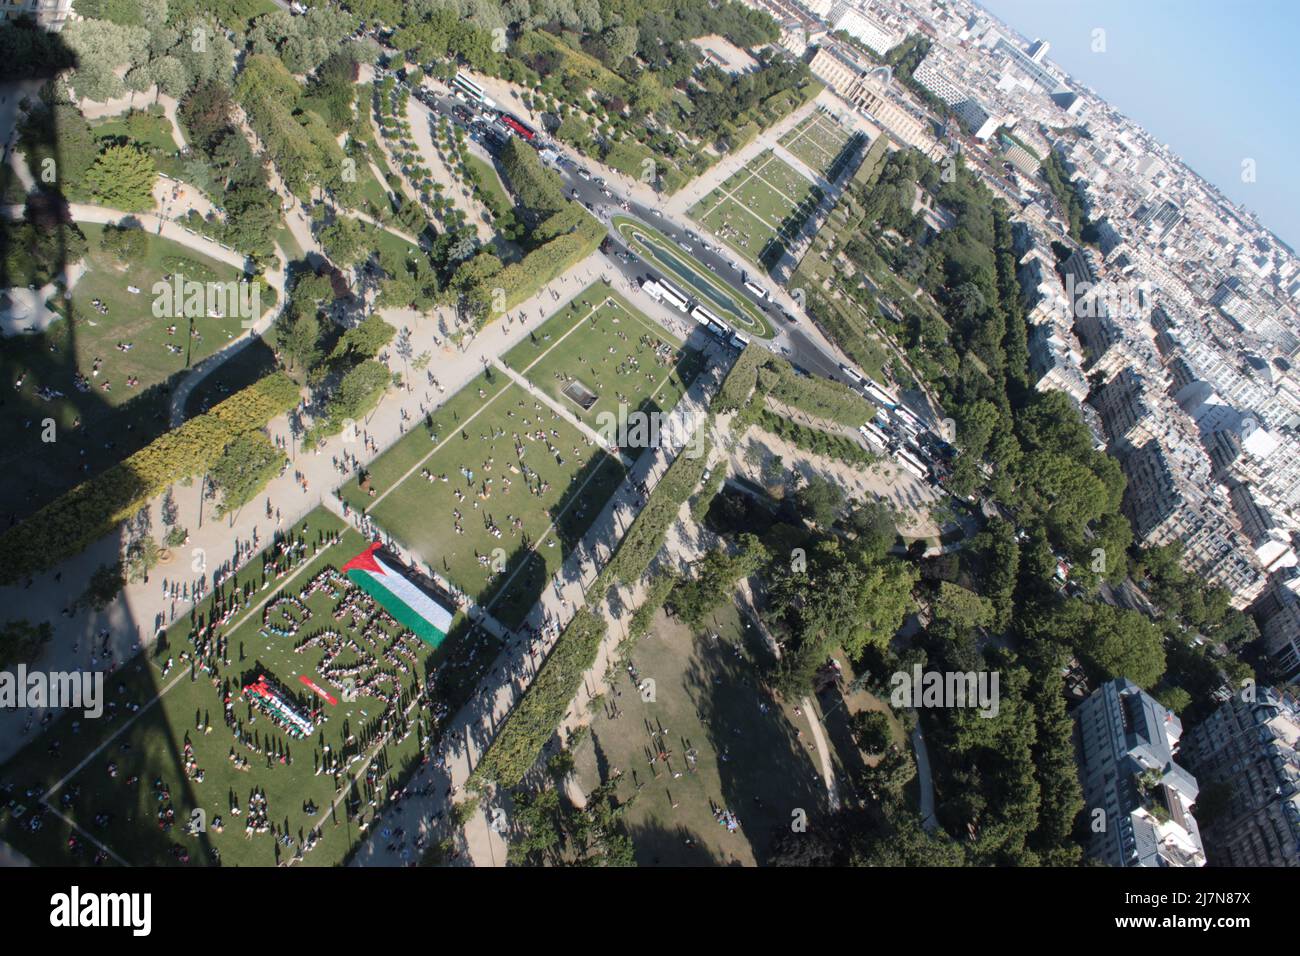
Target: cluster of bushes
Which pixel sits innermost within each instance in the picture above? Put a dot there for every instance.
(822, 397)
(83, 515)
(814, 440)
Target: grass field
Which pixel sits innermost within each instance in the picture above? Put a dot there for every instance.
(345, 634)
(817, 140)
(537, 517)
(756, 206)
(611, 349)
(115, 422)
(749, 755)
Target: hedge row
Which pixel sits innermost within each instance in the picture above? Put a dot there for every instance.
(521, 280)
(820, 397)
(77, 519)
(515, 747)
(814, 440)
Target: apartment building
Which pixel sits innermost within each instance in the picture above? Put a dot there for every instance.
(1247, 751)
(50, 14)
(1137, 799)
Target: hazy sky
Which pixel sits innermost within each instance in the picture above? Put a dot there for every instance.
(1216, 80)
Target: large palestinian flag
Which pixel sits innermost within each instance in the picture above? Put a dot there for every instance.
(383, 578)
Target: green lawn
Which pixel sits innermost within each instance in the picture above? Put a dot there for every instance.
(115, 422)
(554, 505)
(817, 141)
(756, 205)
(387, 658)
(490, 181)
(612, 350)
(749, 755)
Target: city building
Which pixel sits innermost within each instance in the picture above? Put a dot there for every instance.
(1246, 754)
(50, 14)
(1137, 800)
(847, 17)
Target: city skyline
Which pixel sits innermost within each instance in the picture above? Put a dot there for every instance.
(1243, 86)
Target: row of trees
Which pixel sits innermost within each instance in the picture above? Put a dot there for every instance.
(81, 516)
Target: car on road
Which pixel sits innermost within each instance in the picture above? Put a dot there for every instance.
(583, 174)
(574, 195)
(657, 213)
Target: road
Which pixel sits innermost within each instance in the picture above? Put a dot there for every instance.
(604, 199)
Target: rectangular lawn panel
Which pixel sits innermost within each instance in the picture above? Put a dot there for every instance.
(97, 427)
(516, 527)
(606, 347)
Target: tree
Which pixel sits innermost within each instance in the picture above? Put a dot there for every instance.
(870, 728)
(141, 557)
(297, 339)
(123, 178)
(124, 243)
(959, 610)
(819, 501)
(106, 582)
(21, 641)
(344, 241)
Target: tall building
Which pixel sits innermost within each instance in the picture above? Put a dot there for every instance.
(847, 17)
(50, 14)
(1246, 751)
(1278, 614)
(1126, 747)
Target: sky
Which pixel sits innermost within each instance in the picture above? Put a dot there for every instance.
(1215, 80)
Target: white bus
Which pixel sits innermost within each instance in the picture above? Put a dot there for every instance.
(879, 395)
(673, 298)
(704, 316)
(653, 289)
(853, 376)
(913, 464)
(664, 283)
(874, 436)
(904, 415)
(759, 292)
(472, 90)
(738, 341)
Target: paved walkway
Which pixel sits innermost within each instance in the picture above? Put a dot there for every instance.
(427, 810)
(141, 608)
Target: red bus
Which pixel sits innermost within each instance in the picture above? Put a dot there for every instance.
(514, 125)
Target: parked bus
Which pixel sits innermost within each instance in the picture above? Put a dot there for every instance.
(878, 395)
(670, 295)
(664, 283)
(758, 290)
(738, 341)
(874, 436)
(473, 91)
(516, 126)
(704, 316)
(653, 289)
(913, 464)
